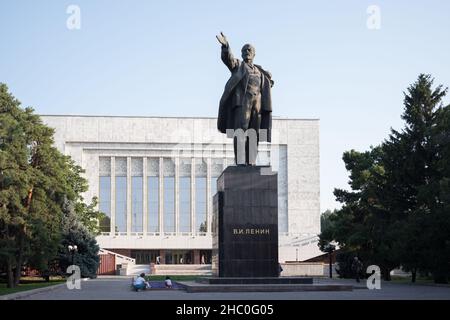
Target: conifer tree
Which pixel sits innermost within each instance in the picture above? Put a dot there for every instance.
(36, 181)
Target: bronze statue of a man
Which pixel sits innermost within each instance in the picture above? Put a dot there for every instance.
(246, 101)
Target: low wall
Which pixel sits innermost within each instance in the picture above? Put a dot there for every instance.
(180, 269)
(302, 269)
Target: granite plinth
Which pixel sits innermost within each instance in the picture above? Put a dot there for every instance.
(245, 223)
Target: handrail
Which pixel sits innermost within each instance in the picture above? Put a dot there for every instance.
(132, 260)
(304, 241)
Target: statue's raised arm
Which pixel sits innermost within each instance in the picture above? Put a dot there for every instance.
(226, 55)
(222, 39)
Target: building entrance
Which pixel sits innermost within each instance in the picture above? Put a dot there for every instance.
(179, 257)
(144, 256)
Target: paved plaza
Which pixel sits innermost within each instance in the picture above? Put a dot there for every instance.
(119, 289)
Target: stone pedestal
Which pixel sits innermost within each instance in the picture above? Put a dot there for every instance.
(245, 223)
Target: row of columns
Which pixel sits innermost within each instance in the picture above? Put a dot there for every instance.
(161, 194)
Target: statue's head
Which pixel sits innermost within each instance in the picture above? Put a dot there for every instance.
(248, 52)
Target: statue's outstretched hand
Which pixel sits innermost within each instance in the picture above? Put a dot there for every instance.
(222, 39)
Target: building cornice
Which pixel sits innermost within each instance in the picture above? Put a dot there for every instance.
(162, 117)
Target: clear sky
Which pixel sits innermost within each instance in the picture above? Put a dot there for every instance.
(161, 58)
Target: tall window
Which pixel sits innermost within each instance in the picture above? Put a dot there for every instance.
(200, 204)
(185, 204)
(169, 204)
(136, 195)
(121, 204)
(121, 194)
(200, 195)
(105, 203)
(153, 194)
(153, 204)
(185, 172)
(136, 204)
(169, 195)
(105, 193)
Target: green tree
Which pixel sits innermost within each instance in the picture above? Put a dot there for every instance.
(15, 182)
(202, 227)
(87, 214)
(326, 226)
(398, 210)
(411, 192)
(30, 185)
(35, 182)
(74, 232)
(439, 219)
(363, 226)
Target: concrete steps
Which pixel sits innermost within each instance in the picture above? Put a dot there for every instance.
(182, 269)
(170, 269)
(138, 269)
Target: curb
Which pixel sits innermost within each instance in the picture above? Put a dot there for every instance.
(113, 277)
(437, 285)
(26, 293)
(195, 288)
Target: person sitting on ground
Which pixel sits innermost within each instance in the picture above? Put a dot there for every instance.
(168, 282)
(140, 283)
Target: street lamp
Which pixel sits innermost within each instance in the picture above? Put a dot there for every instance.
(72, 250)
(330, 248)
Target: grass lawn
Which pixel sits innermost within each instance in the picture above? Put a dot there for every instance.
(174, 278)
(29, 284)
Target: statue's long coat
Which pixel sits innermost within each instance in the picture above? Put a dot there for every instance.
(232, 97)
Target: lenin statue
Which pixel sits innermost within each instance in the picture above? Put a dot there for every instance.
(246, 101)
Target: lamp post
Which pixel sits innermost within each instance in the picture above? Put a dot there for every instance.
(330, 248)
(72, 250)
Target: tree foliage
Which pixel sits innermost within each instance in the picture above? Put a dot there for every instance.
(36, 180)
(75, 232)
(397, 212)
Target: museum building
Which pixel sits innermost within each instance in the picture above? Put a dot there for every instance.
(155, 177)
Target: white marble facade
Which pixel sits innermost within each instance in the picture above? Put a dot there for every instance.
(183, 147)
